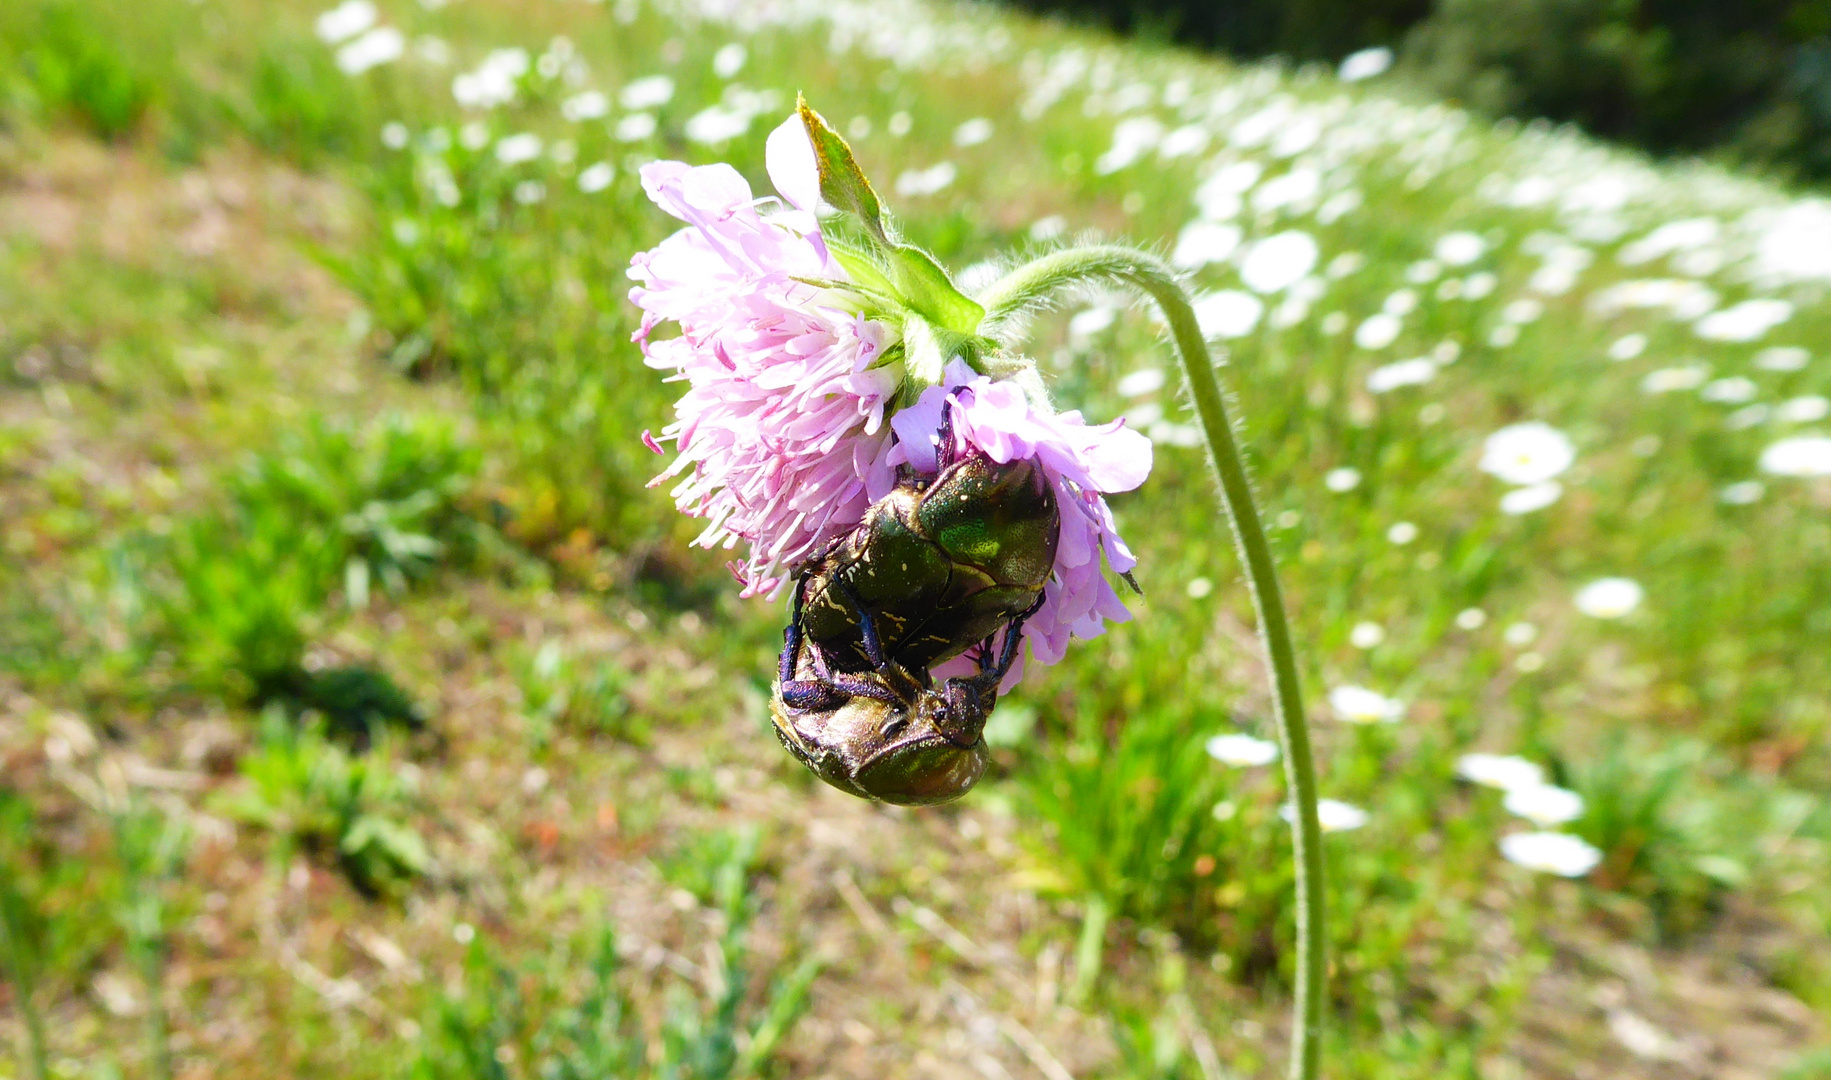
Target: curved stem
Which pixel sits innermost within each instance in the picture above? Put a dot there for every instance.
(1031, 286)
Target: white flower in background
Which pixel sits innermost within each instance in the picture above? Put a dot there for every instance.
(1141, 382)
(1478, 286)
(635, 127)
(1527, 453)
(1228, 313)
(1185, 141)
(1731, 391)
(344, 21)
(1402, 533)
(729, 59)
(1220, 196)
(1366, 635)
(1199, 588)
(1345, 478)
(1520, 634)
(493, 82)
(1803, 410)
(1341, 266)
(1293, 191)
(1544, 805)
(1667, 380)
(716, 124)
(1749, 416)
(1364, 64)
(973, 132)
(1413, 372)
(589, 105)
(1092, 320)
(1204, 242)
(1525, 500)
(594, 178)
(1628, 347)
(1522, 311)
(434, 51)
(1400, 303)
(1782, 358)
(1459, 248)
(648, 92)
(518, 149)
(1609, 597)
(1359, 705)
(395, 136)
(1801, 455)
(1332, 814)
(1279, 261)
(1378, 331)
(1551, 853)
(1471, 618)
(1684, 235)
(1794, 242)
(1424, 271)
(1507, 772)
(919, 182)
(1746, 321)
(1338, 206)
(1743, 492)
(1132, 139)
(1048, 228)
(1682, 298)
(529, 192)
(382, 45)
(1242, 750)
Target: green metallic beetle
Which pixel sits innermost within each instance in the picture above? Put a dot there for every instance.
(889, 734)
(941, 565)
(934, 569)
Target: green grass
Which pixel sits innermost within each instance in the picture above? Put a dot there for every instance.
(324, 531)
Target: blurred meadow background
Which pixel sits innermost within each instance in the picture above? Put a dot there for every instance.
(362, 714)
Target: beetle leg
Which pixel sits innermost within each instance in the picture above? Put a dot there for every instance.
(1013, 643)
(867, 626)
(944, 453)
(791, 635)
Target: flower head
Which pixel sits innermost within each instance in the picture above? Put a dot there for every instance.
(1551, 853)
(801, 406)
(1544, 805)
(1528, 453)
(1609, 597)
(781, 435)
(1504, 771)
(1359, 705)
(1242, 750)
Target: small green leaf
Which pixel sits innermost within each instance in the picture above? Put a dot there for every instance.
(842, 182)
(928, 291)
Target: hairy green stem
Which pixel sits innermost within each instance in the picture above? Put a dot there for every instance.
(1032, 286)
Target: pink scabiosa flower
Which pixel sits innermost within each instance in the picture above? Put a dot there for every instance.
(780, 435)
(818, 372)
(1082, 461)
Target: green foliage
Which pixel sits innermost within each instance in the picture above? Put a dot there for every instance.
(1129, 814)
(37, 937)
(1672, 75)
(589, 696)
(512, 281)
(235, 594)
(501, 1015)
(316, 797)
(1631, 802)
(74, 61)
